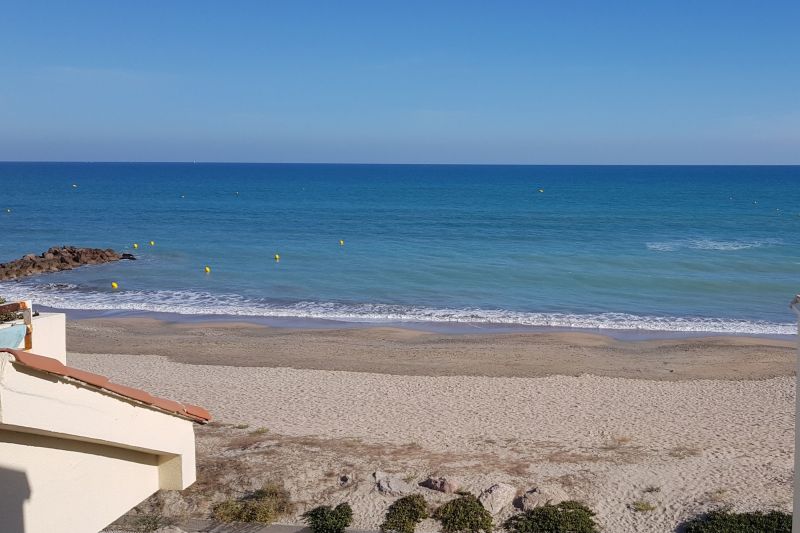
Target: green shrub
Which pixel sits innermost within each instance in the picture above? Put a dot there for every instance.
(404, 514)
(464, 515)
(263, 506)
(150, 522)
(728, 522)
(641, 506)
(565, 517)
(228, 511)
(325, 519)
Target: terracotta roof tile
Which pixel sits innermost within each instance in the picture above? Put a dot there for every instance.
(169, 405)
(87, 377)
(130, 392)
(39, 362)
(197, 411)
(53, 366)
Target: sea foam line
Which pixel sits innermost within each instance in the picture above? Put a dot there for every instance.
(710, 244)
(200, 303)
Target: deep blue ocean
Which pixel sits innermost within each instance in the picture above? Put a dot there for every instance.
(662, 248)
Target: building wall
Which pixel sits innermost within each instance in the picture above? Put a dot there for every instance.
(34, 402)
(50, 485)
(49, 336)
(74, 459)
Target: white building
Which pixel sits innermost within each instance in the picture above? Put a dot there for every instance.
(76, 450)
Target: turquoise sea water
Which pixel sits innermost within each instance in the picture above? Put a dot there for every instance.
(651, 248)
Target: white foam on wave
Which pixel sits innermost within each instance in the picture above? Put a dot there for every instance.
(711, 244)
(200, 303)
(663, 246)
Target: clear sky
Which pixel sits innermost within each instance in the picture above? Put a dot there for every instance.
(401, 82)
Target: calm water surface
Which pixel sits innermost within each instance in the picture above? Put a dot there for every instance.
(657, 248)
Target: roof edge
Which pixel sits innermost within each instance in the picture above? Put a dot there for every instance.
(53, 366)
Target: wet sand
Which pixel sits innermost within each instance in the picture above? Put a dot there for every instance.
(416, 353)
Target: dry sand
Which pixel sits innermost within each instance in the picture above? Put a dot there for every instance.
(572, 420)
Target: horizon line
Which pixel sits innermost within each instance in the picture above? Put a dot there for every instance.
(48, 161)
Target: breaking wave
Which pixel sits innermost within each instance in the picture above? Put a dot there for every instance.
(68, 296)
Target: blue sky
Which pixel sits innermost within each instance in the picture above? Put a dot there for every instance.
(401, 82)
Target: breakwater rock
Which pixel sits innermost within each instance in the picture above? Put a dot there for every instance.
(58, 258)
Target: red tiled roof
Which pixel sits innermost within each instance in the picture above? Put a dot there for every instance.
(53, 366)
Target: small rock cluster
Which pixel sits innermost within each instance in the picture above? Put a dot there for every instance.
(56, 259)
(441, 484)
(494, 499)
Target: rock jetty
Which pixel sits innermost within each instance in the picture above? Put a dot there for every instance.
(58, 258)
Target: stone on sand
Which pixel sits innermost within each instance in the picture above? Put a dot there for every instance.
(497, 497)
(441, 484)
(391, 484)
(539, 496)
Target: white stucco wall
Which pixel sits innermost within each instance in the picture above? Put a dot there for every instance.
(50, 336)
(73, 486)
(86, 456)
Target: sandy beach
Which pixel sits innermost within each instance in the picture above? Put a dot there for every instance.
(686, 425)
(410, 352)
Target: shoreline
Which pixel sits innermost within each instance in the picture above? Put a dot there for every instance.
(441, 327)
(403, 351)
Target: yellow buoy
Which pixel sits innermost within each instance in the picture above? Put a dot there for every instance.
(277, 257)
(114, 285)
(207, 269)
(341, 242)
(135, 245)
(152, 243)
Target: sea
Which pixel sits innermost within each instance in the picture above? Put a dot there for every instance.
(656, 249)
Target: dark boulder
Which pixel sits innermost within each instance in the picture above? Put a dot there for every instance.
(58, 258)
